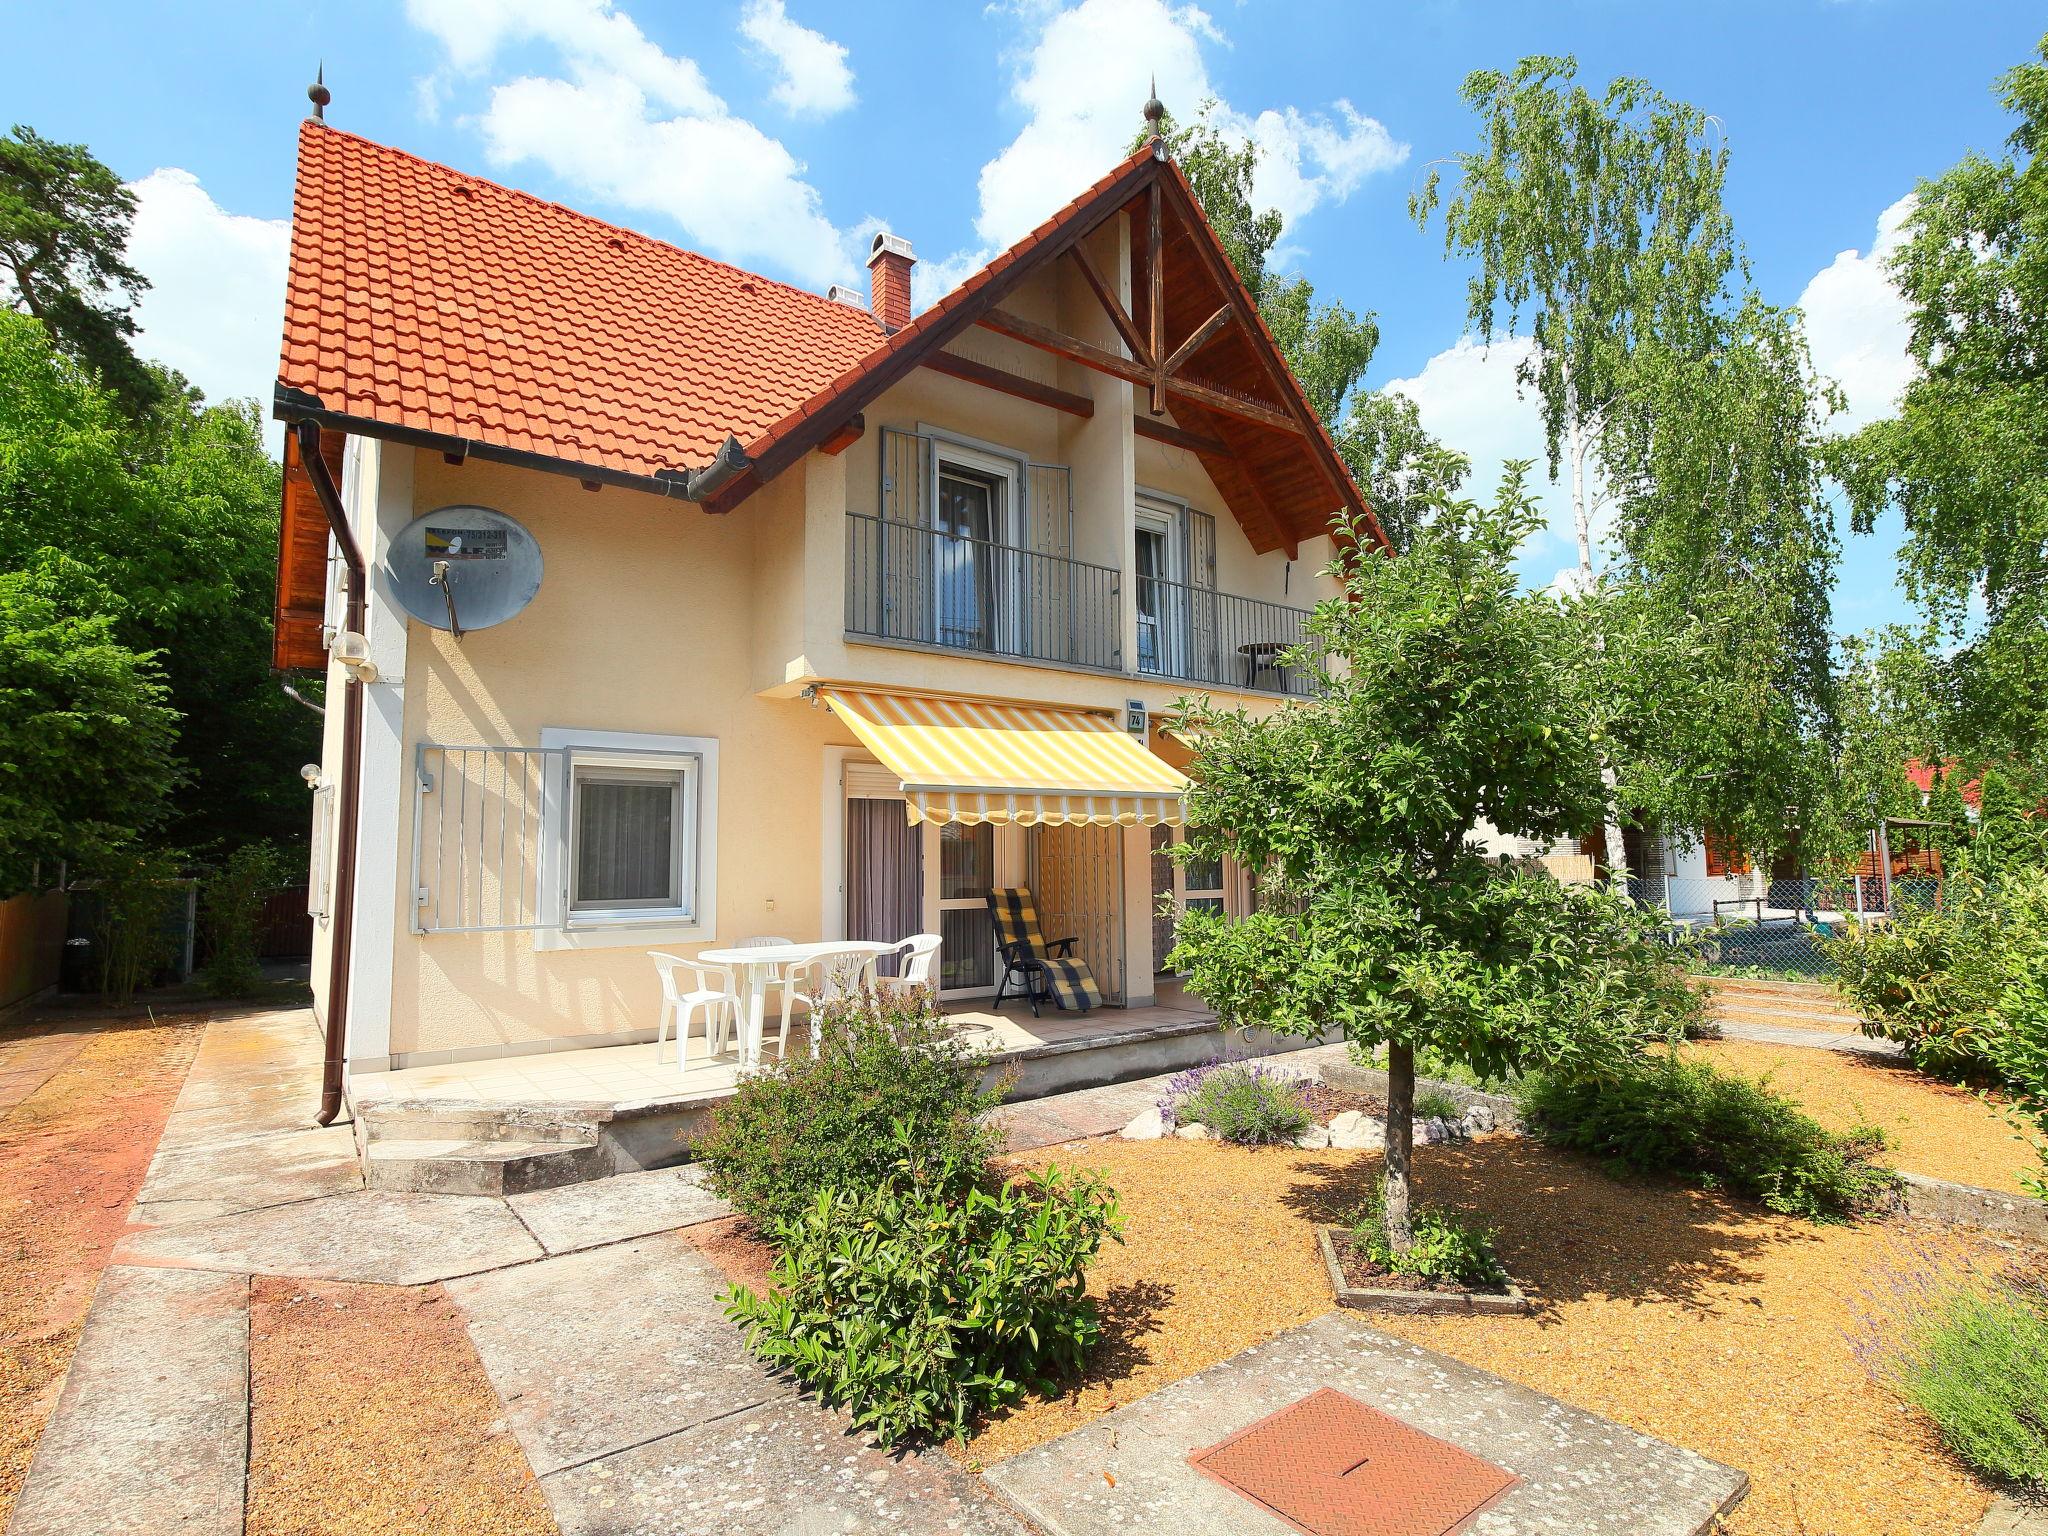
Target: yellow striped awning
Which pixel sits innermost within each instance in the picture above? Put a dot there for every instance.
(971, 760)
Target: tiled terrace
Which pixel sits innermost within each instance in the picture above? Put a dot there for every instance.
(628, 1075)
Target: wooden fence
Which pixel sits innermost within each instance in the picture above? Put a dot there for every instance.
(31, 944)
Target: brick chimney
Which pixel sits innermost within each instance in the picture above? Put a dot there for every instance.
(889, 280)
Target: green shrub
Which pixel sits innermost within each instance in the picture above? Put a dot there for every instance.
(1435, 1104)
(1673, 1115)
(1973, 1356)
(231, 901)
(1242, 1101)
(1446, 1246)
(924, 1302)
(826, 1124)
(1928, 978)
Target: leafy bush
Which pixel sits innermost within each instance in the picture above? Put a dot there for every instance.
(1673, 1115)
(1446, 1246)
(1973, 1356)
(926, 1301)
(1246, 1102)
(231, 901)
(135, 896)
(1435, 1104)
(826, 1124)
(1964, 987)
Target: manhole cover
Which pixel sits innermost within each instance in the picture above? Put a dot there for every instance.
(1331, 1466)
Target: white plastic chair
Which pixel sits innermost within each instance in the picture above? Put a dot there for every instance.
(710, 988)
(918, 952)
(830, 977)
(777, 977)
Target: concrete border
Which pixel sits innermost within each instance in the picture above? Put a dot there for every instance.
(1512, 1303)
(1965, 1205)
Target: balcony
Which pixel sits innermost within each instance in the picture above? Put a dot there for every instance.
(925, 587)
(1199, 635)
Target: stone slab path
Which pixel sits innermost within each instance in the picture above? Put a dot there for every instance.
(1579, 1473)
(599, 1326)
(1812, 1039)
(151, 1433)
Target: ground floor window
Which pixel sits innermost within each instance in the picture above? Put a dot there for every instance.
(633, 839)
(1180, 885)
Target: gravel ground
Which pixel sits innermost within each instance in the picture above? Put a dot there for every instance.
(84, 1106)
(1936, 1128)
(1694, 1318)
(369, 1413)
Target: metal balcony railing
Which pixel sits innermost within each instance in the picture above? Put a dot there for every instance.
(1199, 635)
(925, 586)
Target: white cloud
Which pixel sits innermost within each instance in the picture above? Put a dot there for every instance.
(216, 296)
(1468, 399)
(1856, 324)
(638, 128)
(1081, 80)
(814, 78)
(591, 35)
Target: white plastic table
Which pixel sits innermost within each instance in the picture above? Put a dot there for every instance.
(755, 969)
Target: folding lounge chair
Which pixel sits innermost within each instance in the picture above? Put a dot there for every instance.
(1044, 971)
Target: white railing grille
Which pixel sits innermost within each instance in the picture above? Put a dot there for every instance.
(480, 837)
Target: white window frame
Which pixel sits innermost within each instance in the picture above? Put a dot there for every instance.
(989, 461)
(320, 867)
(694, 917)
(1155, 512)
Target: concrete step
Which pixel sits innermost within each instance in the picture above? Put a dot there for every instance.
(1809, 992)
(1842, 1021)
(446, 1166)
(428, 1121)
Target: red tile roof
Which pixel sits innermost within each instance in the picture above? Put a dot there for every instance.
(425, 299)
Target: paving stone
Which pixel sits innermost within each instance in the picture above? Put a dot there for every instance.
(614, 1209)
(784, 1469)
(247, 1174)
(596, 1351)
(383, 1239)
(151, 1432)
(1580, 1473)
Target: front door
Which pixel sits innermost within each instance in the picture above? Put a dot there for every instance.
(884, 863)
(967, 873)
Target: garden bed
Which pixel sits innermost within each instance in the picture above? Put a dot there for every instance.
(1936, 1128)
(1702, 1320)
(1359, 1283)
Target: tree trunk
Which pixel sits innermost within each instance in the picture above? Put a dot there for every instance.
(1400, 1144)
(1582, 525)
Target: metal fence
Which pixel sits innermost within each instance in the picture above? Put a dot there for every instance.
(1755, 925)
(1204, 636)
(925, 586)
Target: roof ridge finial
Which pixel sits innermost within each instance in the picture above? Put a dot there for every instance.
(318, 94)
(1155, 109)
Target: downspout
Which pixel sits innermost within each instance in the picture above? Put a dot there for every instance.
(348, 791)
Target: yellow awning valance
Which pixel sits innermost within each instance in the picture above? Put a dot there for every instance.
(970, 760)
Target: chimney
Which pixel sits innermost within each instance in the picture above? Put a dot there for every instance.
(889, 280)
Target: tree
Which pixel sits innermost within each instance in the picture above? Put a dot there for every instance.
(1402, 469)
(1597, 221)
(1458, 697)
(1726, 550)
(1965, 460)
(84, 730)
(175, 516)
(64, 221)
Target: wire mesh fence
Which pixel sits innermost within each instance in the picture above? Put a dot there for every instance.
(1760, 926)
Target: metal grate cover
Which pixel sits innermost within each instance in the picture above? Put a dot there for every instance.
(1331, 1466)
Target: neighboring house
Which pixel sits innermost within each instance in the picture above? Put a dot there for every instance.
(843, 616)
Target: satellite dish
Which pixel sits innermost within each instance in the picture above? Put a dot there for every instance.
(463, 568)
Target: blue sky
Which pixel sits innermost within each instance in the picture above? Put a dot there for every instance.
(779, 133)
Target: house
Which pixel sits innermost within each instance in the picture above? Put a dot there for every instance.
(787, 613)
